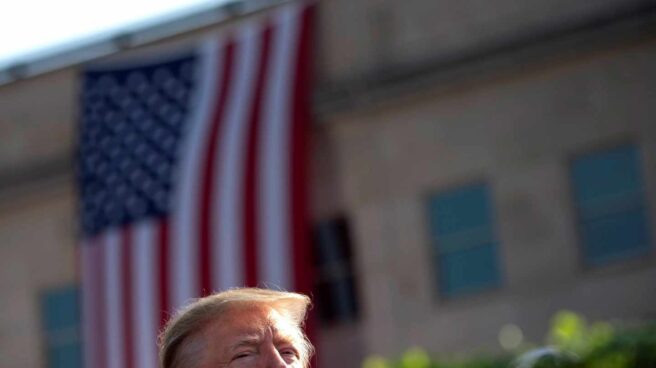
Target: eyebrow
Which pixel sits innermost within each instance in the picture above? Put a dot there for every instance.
(248, 340)
(284, 339)
(252, 340)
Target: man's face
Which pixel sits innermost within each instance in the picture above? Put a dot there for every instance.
(249, 337)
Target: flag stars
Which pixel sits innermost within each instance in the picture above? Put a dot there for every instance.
(164, 111)
(159, 134)
(101, 169)
(125, 102)
(130, 139)
(161, 199)
(115, 153)
(146, 124)
(170, 84)
(154, 100)
(108, 117)
(125, 164)
(106, 82)
(161, 75)
(168, 143)
(113, 212)
(179, 94)
(175, 118)
(136, 175)
(187, 71)
(136, 113)
(93, 99)
(147, 186)
(152, 159)
(136, 80)
(135, 205)
(119, 126)
(140, 149)
(121, 190)
(112, 180)
(117, 93)
(132, 123)
(162, 169)
(142, 88)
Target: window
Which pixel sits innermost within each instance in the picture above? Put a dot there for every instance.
(335, 286)
(609, 195)
(463, 240)
(60, 318)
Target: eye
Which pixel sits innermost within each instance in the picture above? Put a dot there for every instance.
(242, 355)
(289, 352)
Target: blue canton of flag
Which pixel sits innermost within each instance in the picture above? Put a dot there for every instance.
(131, 127)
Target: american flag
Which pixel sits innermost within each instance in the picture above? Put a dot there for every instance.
(191, 174)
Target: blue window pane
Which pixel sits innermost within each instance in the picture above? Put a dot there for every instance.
(460, 210)
(65, 355)
(617, 236)
(606, 174)
(60, 309)
(609, 197)
(467, 271)
(463, 240)
(60, 316)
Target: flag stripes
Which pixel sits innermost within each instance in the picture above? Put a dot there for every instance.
(146, 319)
(207, 199)
(236, 213)
(297, 154)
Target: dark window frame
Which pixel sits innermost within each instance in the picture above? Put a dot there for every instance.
(336, 289)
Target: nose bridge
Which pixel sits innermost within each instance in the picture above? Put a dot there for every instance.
(273, 357)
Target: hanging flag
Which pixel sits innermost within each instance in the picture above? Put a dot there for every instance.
(191, 173)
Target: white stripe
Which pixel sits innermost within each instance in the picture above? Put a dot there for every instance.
(232, 152)
(111, 243)
(145, 306)
(273, 190)
(183, 280)
(89, 303)
(214, 253)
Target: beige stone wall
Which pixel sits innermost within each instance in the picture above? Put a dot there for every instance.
(365, 37)
(516, 130)
(518, 134)
(37, 122)
(37, 253)
(37, 223)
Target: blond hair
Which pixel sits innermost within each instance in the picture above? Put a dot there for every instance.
(192, 318)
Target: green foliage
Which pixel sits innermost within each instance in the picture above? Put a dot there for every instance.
(570, 332)
(573, 343)
(375, 361)
(415, 358)
(418, 358)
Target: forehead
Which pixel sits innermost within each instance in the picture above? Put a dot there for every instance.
(252, 321)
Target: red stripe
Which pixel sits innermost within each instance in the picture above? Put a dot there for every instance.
(101, 300)
(207, 194)
(303, 273)
(126, 283)
(252, 154)
(163, 271)
(300, 121)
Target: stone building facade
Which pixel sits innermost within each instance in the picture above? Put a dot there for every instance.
(414, 101)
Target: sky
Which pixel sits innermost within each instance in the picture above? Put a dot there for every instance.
(29, 28)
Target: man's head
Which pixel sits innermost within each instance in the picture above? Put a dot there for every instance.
(238, 328)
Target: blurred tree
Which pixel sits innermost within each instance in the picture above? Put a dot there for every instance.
(573, 343)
